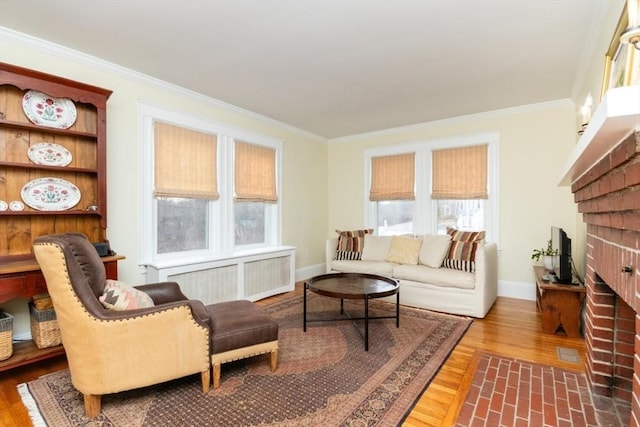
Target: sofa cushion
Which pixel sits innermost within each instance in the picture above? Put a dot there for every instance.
(350, 243)
(434, 249)
(121, 296)
(380, 268)
(444, 277)
(375, 248)
(404, 250)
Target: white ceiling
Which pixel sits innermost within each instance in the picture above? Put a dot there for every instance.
(335, 68)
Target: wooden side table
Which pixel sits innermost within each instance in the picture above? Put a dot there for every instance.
(560, 305)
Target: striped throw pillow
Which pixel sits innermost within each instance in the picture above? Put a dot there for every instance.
(461, 256)
(462, 251)
(350, 244)
(465, 236)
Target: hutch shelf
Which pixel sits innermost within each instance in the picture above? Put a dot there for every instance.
(82, 140)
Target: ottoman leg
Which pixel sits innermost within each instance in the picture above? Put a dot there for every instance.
(274, 360)
(216, 376)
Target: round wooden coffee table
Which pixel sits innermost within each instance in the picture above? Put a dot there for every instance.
(353, 286)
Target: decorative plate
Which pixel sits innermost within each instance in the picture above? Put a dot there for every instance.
(48, 153)
(45, 110)
(50, 194)
(16, 206)
(3, 205)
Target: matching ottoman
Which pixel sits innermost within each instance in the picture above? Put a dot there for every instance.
(240, 329)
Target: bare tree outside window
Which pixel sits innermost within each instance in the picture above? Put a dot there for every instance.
(395, 217)
(182, 224)
(250, 223)
(461, 214)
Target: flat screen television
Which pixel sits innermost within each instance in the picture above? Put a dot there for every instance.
(562, 262)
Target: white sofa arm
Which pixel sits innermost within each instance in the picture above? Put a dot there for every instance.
(330, 250)
(487, 275)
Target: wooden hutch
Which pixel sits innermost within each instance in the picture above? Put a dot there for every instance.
(82, 145)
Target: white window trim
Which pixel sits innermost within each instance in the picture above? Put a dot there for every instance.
(424, 207)
(220, 236)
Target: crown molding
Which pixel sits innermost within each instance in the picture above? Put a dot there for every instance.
(46, 47)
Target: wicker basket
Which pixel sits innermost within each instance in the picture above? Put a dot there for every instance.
(45, 331)
(6, 335)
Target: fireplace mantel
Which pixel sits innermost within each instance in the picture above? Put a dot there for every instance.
(617, 115)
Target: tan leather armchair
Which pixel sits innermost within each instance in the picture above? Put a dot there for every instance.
(111, 351)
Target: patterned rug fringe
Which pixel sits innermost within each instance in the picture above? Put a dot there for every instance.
(32, 406)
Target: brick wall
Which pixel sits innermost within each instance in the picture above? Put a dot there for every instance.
(608, 196)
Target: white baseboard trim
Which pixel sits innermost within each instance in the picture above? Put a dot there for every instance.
(22, 337)
(520, 290)
(506, 288)
(311, 271)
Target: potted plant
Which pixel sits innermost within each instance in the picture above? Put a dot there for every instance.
(547, 255)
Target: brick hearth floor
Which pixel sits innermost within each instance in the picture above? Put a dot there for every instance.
(513, 393)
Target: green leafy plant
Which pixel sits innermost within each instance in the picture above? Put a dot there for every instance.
(548, 251)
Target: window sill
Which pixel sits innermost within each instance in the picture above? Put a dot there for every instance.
(191, 259)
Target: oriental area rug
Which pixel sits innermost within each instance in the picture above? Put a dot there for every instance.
(324, 376)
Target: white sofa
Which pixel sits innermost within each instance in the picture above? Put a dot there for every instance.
(440, 289)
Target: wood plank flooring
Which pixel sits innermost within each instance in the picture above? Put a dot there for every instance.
(512, 328)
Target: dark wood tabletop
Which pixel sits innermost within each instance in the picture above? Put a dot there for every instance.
(352, 285)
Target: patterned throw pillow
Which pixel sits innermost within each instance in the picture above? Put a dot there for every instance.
(350, 244)
(462, 251)
(121, 296)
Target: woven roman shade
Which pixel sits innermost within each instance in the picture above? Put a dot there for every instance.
(255, 173)
(393, 177)
(460, 173)
(185, 163)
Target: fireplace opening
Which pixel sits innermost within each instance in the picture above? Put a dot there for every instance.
(609, 340)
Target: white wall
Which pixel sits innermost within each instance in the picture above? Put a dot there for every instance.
(304, 191)
(323, 183)
(534, 143)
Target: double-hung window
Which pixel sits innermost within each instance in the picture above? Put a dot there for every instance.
(255, 193)
(211, 190)
(459, 187)
(425, 187)
(393, 192)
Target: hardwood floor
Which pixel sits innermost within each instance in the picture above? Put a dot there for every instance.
(512, 328)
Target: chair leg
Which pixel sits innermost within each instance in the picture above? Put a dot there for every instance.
(274, 360)
(92, 405)
(206, 380)
(216, 376)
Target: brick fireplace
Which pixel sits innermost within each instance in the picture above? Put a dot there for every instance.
(608, 196)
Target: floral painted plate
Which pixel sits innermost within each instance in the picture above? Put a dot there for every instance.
(45, 110)
(50, 194)
(50, 154)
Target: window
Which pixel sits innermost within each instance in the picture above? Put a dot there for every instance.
(392, 189)
(255, 189)
(454, 182)
(184, 180)
(211, 190)
(459, 187)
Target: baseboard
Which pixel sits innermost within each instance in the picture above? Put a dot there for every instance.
(311, 271)
(22, 337)
(510, 289)
(520, 290)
